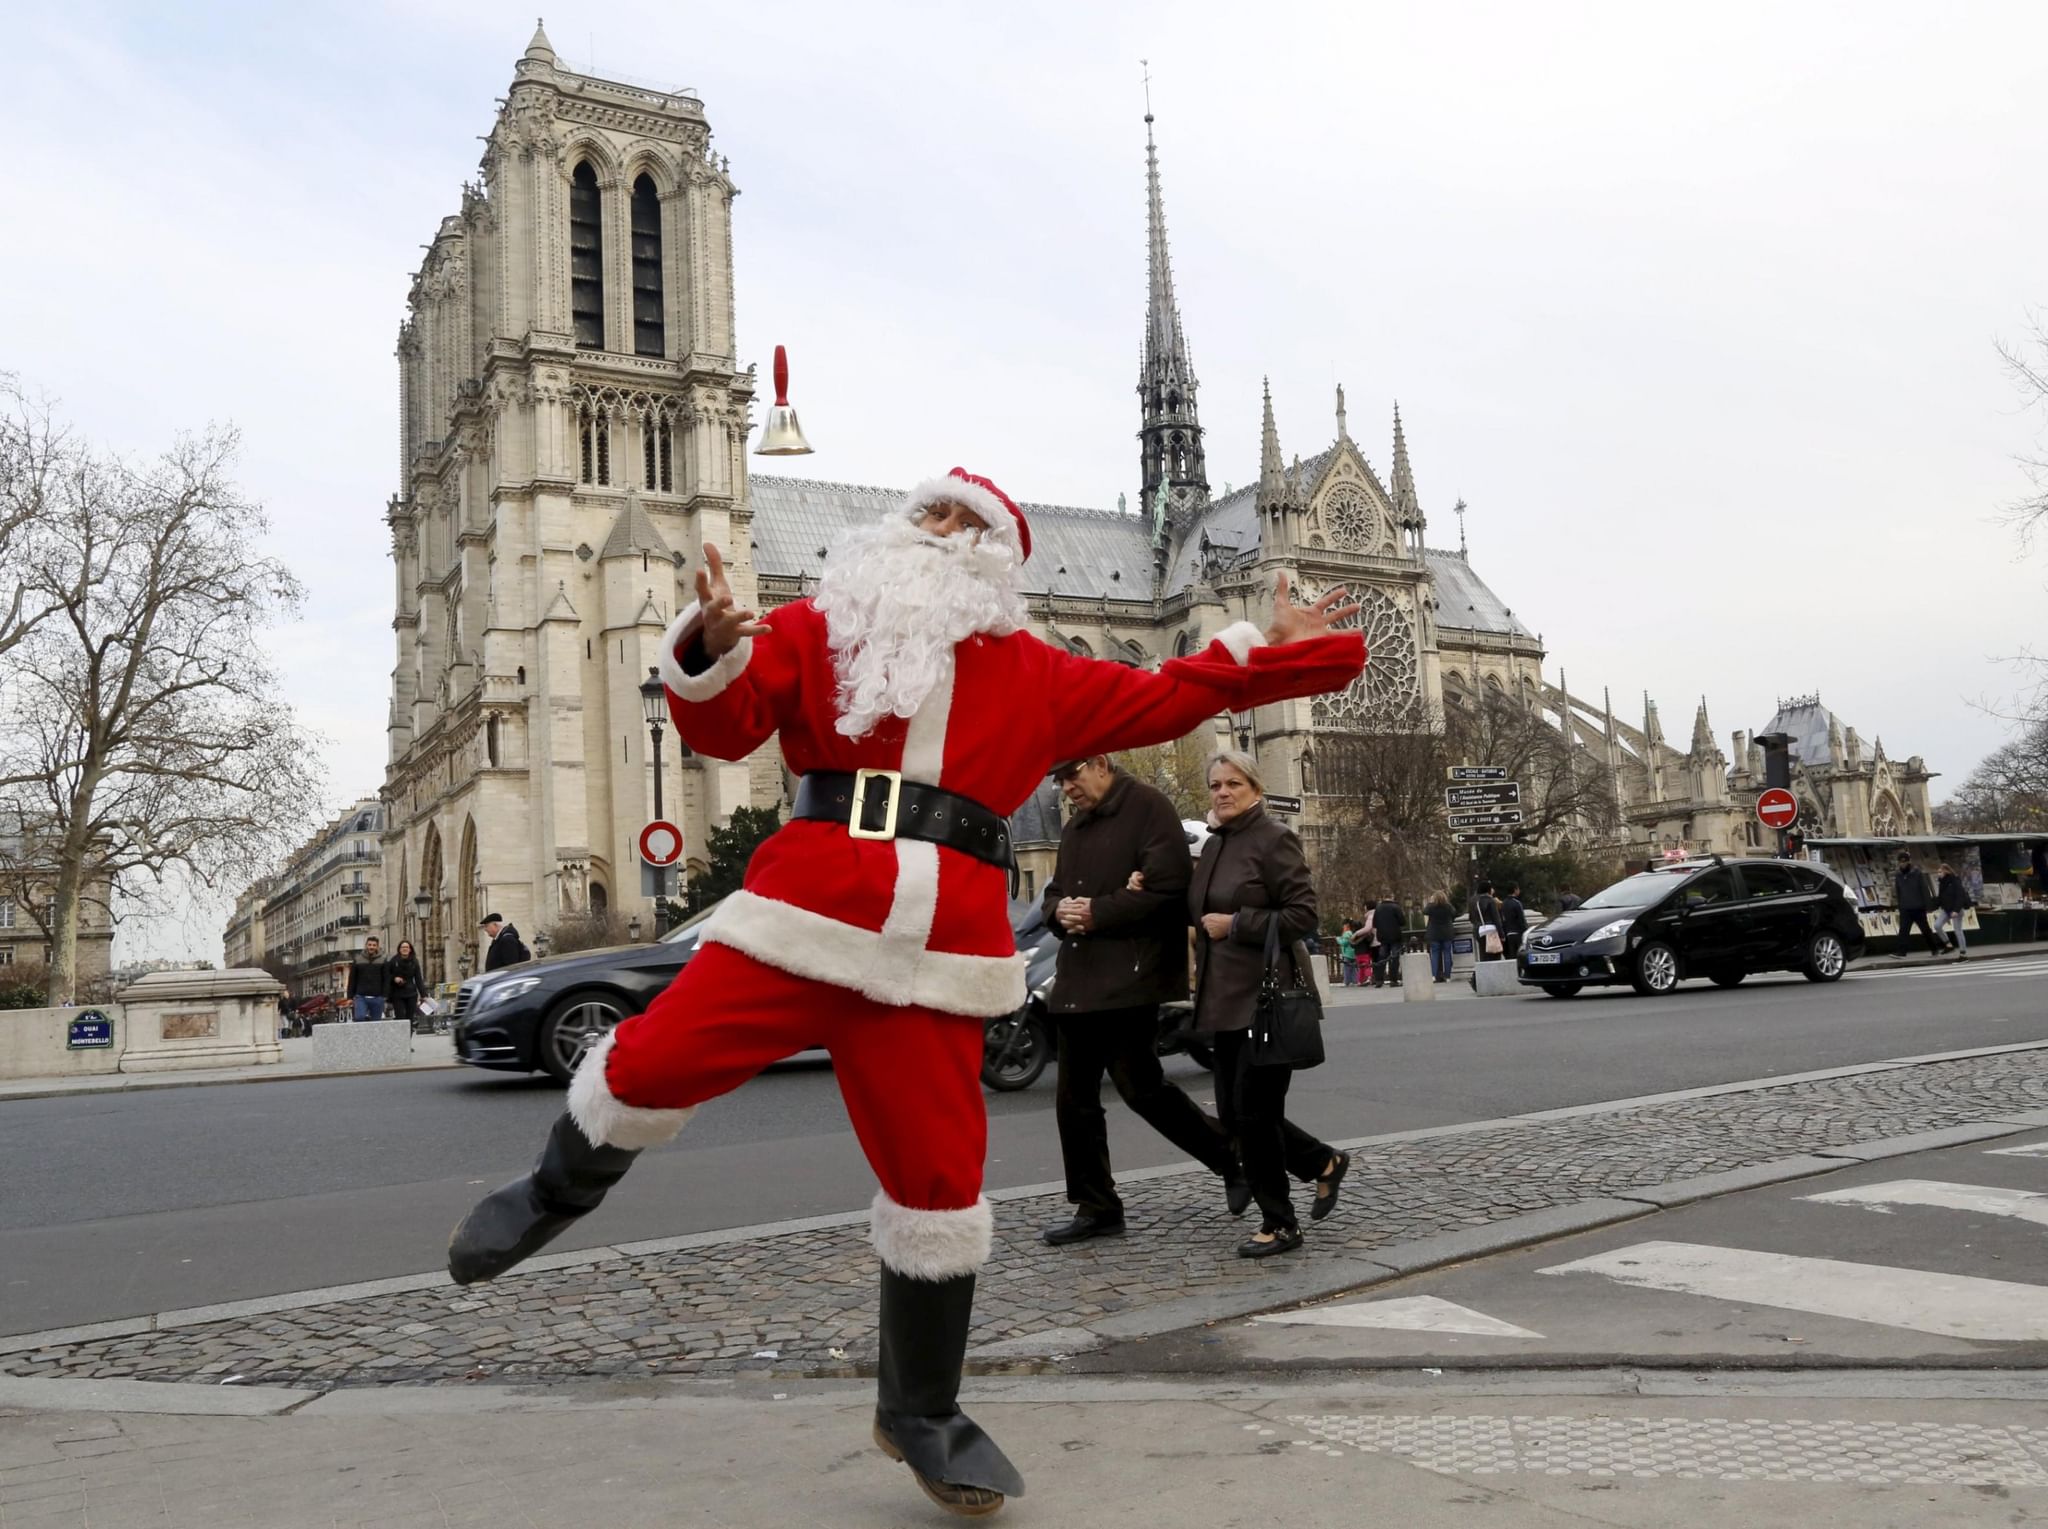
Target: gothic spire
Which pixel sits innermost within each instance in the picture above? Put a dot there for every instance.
(1406, 506)
(540, 50)
(1702, 731)
(1169, 434)
(1272, 467)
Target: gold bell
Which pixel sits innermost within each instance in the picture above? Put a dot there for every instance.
(781, 435)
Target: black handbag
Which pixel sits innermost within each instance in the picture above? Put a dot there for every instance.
(1287, 1026)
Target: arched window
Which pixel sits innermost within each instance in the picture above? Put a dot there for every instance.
(586, 258)
(594, 445)
(600, 900)
(648, 334)
(658, 452)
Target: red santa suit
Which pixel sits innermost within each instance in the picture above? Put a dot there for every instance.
(891, 953)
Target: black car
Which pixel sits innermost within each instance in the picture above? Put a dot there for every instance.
(541, 1016)
(1718, 919)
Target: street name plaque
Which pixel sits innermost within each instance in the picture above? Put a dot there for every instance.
(1505, 793)
(1287, 804)
(90, 1031)
(1477, 772)
(1504, 817)
(1482, 838)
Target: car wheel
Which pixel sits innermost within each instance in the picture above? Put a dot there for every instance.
(1561, 989)
(572, 1027)
(1726, 979)
(1656, 969)
(1826, 960)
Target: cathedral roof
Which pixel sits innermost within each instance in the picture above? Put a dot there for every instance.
(1808, 722)
(1458, 587)
(634, 532)
(1076, 553)
(1038, 820)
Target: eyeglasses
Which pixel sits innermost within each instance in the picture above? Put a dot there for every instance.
(1063, 777)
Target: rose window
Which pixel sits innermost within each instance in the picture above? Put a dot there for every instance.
(1353, 525)
(1390, 672)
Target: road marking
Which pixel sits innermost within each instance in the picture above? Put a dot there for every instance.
(2031, 1149)
(1948, 966)
(1952, 1305)
(2019, 1204)
(1408, 1314)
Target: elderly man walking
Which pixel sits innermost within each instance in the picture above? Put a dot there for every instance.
(920, 713)
(1118, 896)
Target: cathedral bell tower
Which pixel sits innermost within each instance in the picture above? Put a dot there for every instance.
(1171, 467)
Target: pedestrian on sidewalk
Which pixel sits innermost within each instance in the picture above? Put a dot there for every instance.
(1390, 924)
(369, 982)
(1514, 921)
(1909, 890)
(1485, 915)
(1440, 927)
(506, 948)
(1252, 872)
(1119, 897)
(405, 984)
(1347, 953)
(1951, 903)
(913, 699)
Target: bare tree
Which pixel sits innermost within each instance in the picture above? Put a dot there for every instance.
(2007, 792)
(142, 735)
(35, 455)
(1179, 769)
(1564, 789)
(2026, 363)
(1380, 804)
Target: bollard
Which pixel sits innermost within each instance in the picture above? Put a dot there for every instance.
(1417, 986)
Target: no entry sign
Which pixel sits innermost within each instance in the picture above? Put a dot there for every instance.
(1777, 808)
(661, 843)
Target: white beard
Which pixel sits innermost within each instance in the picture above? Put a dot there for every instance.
(896, 600)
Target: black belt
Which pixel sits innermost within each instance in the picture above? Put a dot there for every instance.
(881, 804)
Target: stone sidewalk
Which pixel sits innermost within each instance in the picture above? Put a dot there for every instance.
(798, 1299)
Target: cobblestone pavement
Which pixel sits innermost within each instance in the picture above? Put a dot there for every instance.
(802, 1302)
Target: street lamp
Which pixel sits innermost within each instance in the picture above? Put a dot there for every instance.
(422, 904)
(540, 944)
(462, 964)
(1242, 722)
(633, 928)
(654, 707)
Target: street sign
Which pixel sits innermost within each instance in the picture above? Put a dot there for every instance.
(1497, 819)
(661, 843)
(1287, 804)
(1777, 808)
(1477, 772)
(1505, 793)
(1482, 838)
(657, 881)
(91, 1031)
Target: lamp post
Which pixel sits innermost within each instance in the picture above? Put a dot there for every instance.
(462, 964)
(633, 928)
(654, 707)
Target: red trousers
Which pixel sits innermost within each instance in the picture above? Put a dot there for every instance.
(911, 1077)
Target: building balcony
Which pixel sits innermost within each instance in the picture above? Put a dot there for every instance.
(353, 921)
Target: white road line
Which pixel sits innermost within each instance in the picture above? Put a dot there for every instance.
(1952, 1305)
(2031, 1149)
(1954, 968)
(1408, 1314)
(2019, 1204)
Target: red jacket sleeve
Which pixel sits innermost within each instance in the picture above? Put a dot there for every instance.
(729, 706)
(1100, 707)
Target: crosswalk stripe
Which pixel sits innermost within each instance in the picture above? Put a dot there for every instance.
(1951, 1305)
(1411, 1314)
(2031, 1149)
(1984, 1200)
(1953, 968)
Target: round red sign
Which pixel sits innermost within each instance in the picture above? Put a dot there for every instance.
(1777, 808)
(661, 843)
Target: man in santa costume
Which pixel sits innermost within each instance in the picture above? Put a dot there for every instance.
(920, 714)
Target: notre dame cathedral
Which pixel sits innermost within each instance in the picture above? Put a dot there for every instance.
(573, 423)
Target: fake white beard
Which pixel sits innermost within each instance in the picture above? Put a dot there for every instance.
(896, 600)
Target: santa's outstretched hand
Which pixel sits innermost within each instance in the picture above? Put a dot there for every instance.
(1291, 622)
(725, 622)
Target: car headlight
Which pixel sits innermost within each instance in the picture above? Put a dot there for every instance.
(501, 992)
(1613, 931)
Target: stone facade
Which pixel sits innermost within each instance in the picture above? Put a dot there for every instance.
(310, 920)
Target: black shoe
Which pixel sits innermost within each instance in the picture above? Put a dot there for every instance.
(515, 1222)
(917, 1412)
(1326, 1188)
(1284, 1239)
(1237, 1195)
(1085, 1225)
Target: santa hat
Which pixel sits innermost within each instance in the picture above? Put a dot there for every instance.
(1006, 522)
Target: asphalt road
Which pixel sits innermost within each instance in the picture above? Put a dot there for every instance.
(125, 1204)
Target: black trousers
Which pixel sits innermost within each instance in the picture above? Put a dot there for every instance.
(1252, 1102)
(1908, 917)
(1121, 1043)
(1386, 965)
(1509, 945)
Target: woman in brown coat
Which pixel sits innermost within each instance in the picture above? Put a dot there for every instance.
(1252, 872)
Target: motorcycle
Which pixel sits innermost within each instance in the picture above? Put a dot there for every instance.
(1017, 1046)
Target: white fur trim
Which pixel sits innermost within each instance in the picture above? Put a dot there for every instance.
(924, 742)
(1241, 637)
(1001, 523)
(933, 1244)
(607, 1121)
(807, 944)
(723, 671)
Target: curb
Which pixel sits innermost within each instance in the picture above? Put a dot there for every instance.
(14, 1091)
(1985, 953)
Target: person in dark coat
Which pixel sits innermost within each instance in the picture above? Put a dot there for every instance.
(1485, 914)
(1514, 922)
(1440, 926)
(406, 983)
(1118, 896)
(1391, 925)
(1252, 872)
(1951, 902)
(1566, 901)
(369, 982)
(506, 948)
(1909, 890)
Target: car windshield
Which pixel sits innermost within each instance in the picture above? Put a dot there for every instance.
(1637, 891)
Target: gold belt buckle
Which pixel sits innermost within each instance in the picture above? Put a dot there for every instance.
(860, 802)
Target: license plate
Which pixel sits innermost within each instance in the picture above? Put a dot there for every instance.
(1544, 957)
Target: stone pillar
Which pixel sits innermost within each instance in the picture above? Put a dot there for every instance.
(201, 1019)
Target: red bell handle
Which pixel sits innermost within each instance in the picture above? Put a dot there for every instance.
(781, 377)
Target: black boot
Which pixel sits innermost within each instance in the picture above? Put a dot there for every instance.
(917, 1414)
(519, 1220)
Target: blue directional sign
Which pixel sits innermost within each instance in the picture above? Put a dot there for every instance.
(90, 1031)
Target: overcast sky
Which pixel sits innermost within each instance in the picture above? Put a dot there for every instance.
(1696, 307)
